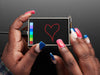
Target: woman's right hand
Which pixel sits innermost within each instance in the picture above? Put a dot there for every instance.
(87, 64)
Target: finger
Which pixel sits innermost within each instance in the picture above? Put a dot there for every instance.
(97, 65)
(87, 41)
(86, 61)
(21, 19)
(29, 58)
(14, 33)
(78, 43)
(60, 66)
(68, 58)
(97, 61)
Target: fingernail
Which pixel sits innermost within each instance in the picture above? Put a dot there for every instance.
(86, 38)
(60, 43)
(39, 47)
(72, 29)
(73, 34)
(31, 12)
(52, 57)
(79, 34)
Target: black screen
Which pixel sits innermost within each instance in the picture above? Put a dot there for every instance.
(49, 30)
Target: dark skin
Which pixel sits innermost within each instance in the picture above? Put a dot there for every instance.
(13, 56)
(19, 58)
(88, 63)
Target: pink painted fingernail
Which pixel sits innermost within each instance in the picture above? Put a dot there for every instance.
(79, 34)
(32, 12)
(60, 43)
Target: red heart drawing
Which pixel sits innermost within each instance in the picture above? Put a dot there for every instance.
(52, 36)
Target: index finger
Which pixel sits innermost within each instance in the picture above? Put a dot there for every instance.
(14, 33)
(68, 58)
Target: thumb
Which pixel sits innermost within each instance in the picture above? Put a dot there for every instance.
(29, 58)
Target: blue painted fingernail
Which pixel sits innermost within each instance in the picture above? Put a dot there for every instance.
(85, 36)
(73, 29)
(52, 56)
(41, 45)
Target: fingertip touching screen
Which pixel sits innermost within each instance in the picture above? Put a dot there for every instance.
(48, 30)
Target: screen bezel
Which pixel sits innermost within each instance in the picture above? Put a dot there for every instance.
(68, 18)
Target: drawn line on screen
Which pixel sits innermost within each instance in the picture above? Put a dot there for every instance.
(51, 36)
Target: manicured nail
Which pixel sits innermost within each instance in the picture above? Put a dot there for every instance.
(86, 38)
(60, 43)
(73, 34)
(72, 29)
(31, 12)
(39, 47)
(79, 34)
(52, 57)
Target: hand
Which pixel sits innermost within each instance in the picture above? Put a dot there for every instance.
(13, 57)
(87, 63)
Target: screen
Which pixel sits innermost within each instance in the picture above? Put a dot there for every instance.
(48, 30)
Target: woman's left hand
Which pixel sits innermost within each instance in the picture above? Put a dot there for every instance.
(16, 61)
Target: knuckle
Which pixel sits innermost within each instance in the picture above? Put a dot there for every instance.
(75, 43)
(80, 40)
(84, 56)
(70, 63)
(65, 51)
(32, 54)
(19, 18)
